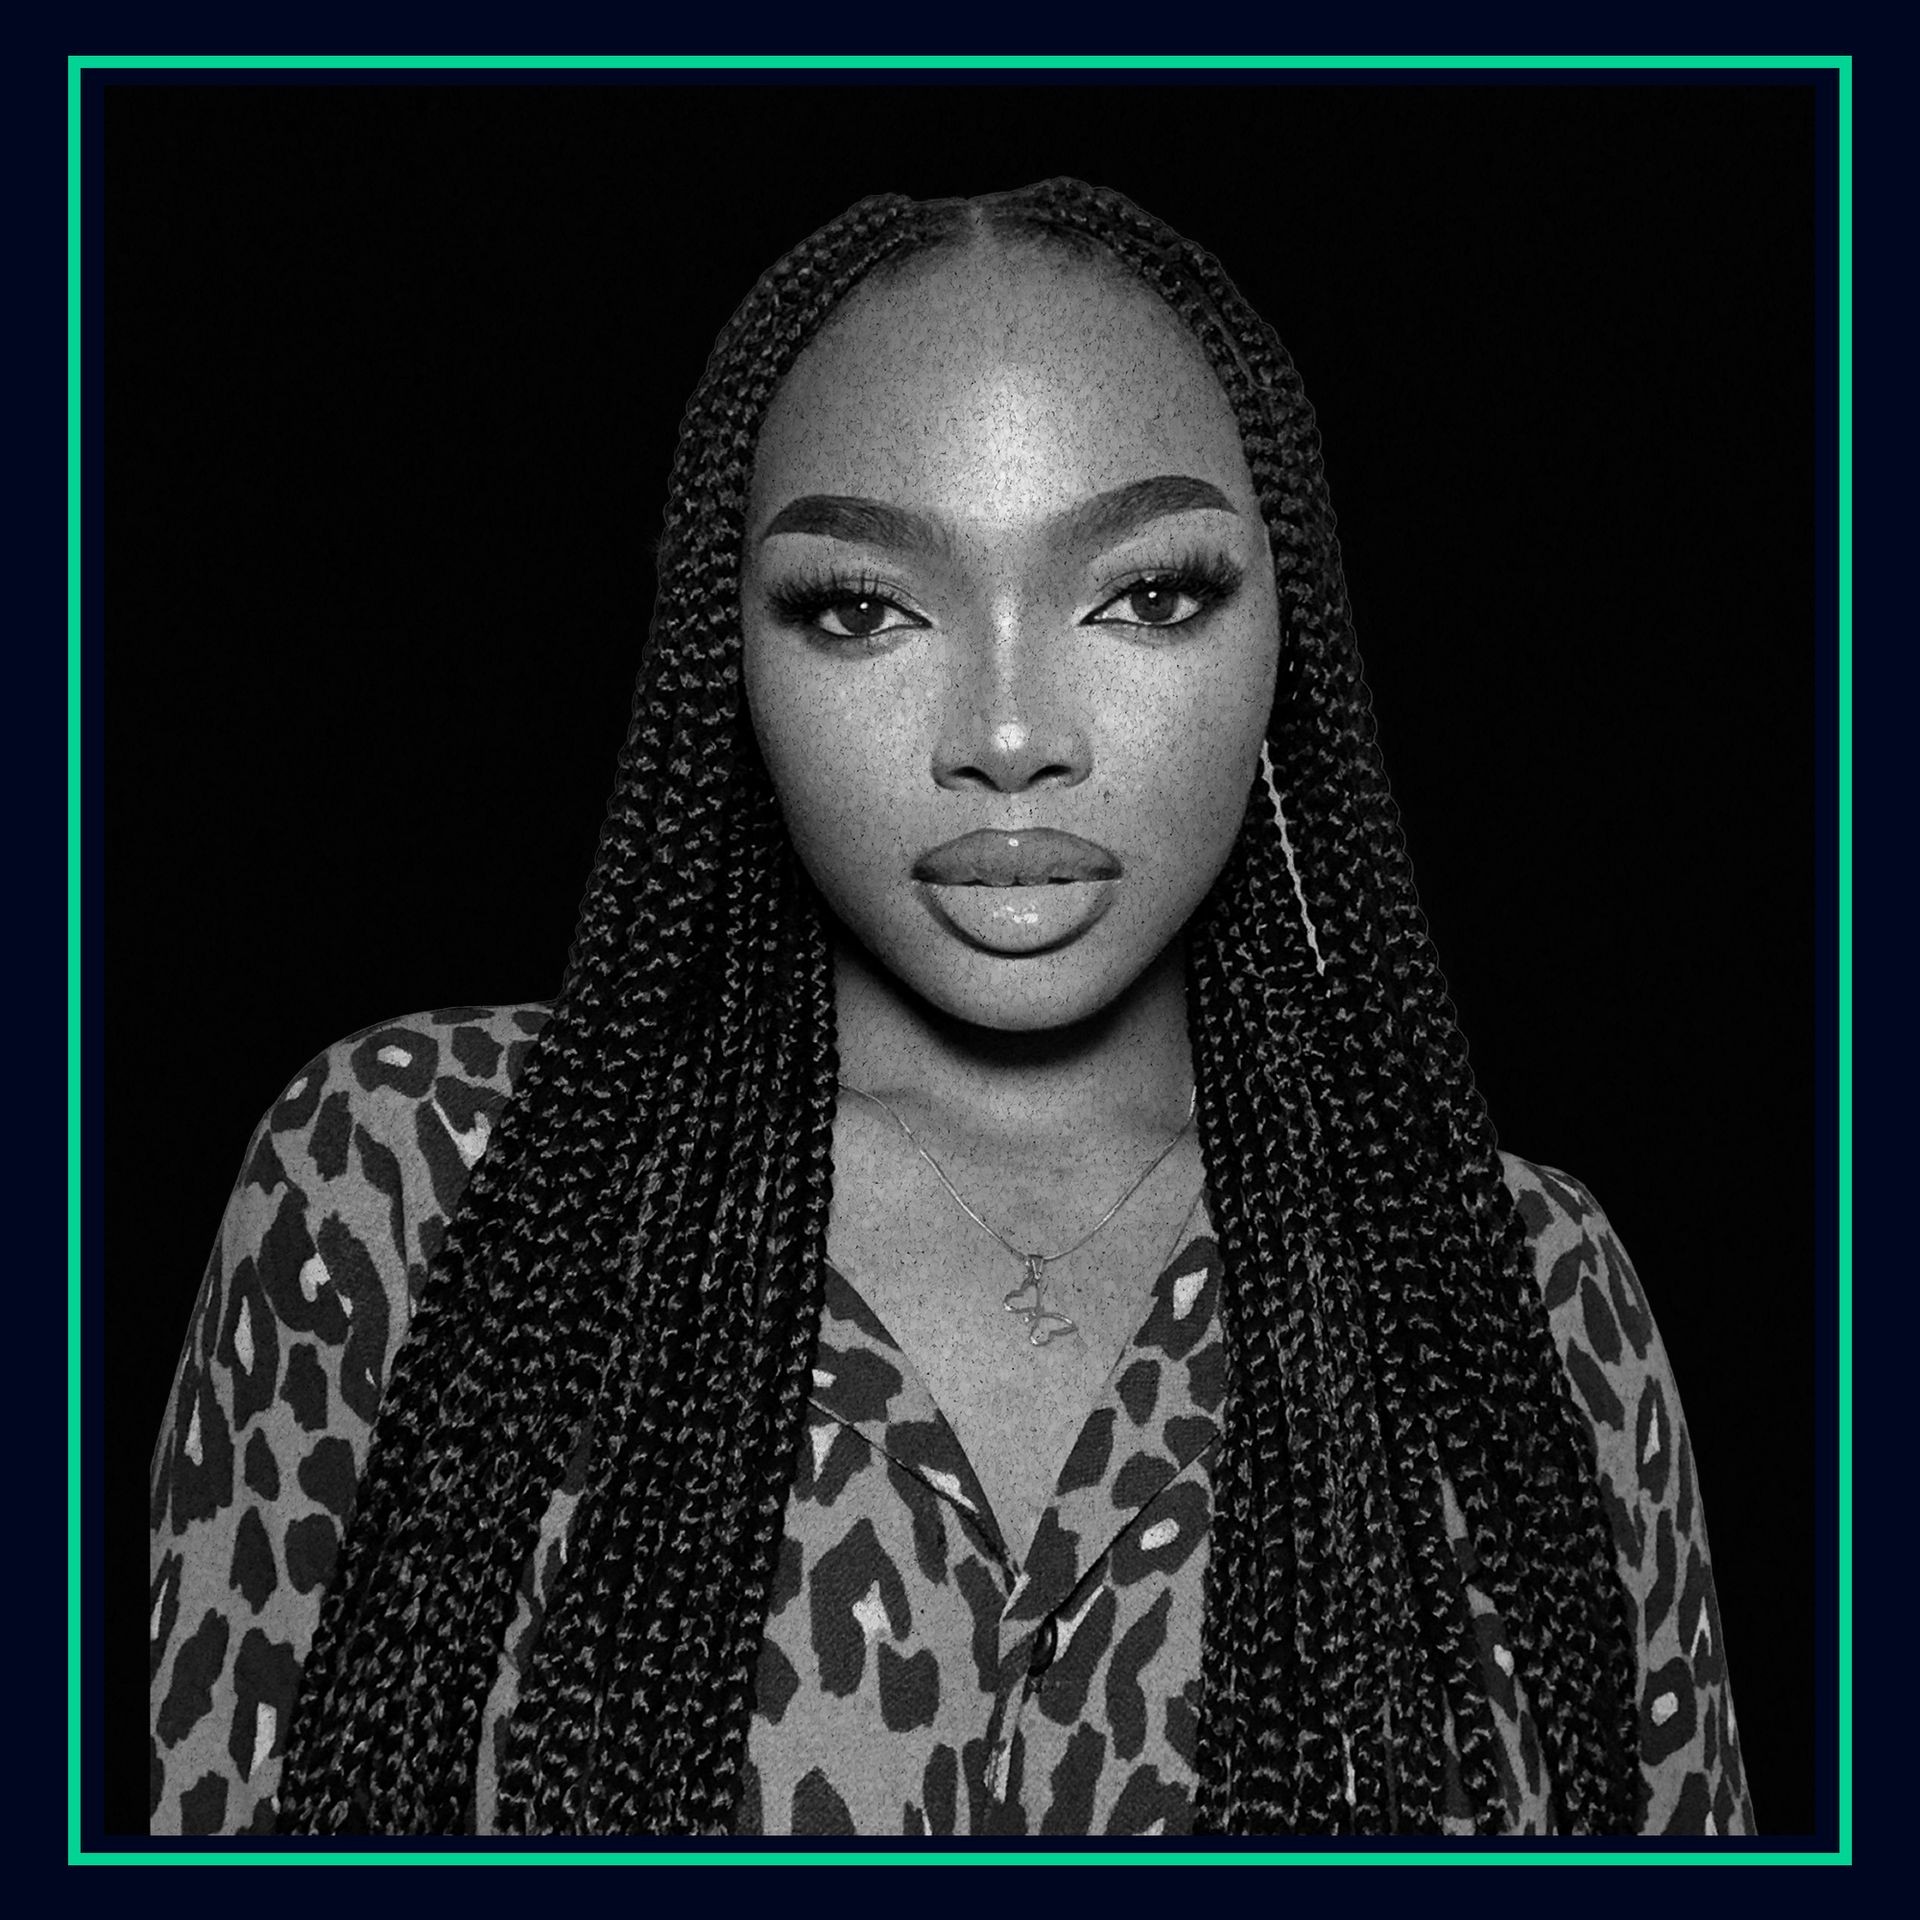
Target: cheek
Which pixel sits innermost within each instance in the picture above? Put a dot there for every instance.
(1186, 747)
(841, 760)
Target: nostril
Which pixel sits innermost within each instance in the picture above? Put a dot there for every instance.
(971, 777)
(1057, 774)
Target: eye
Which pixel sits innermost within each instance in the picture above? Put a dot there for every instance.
(1169, 596)
(1153, 602)
(861, 617)
(840, 607)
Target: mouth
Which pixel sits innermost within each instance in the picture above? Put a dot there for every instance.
(1039, 857)
(1017, 894)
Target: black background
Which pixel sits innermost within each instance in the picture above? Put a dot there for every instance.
(392, 378)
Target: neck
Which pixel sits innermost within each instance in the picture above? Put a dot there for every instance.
(1126, 1067)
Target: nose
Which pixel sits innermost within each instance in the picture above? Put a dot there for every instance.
(1012, 726)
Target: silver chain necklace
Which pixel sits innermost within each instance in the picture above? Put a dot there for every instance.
(1028, 1298)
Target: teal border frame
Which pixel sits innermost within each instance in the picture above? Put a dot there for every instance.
(1841, 65)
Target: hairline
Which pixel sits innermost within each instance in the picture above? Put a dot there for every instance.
(1013, 239)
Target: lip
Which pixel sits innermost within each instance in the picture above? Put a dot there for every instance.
(1019, 893)
(1032, 857)
(1019, 921)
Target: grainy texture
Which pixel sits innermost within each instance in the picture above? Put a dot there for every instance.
(899, 1691)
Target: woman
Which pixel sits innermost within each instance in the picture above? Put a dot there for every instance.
(990, 1303)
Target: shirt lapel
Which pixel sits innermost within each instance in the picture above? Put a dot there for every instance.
(862, 1381)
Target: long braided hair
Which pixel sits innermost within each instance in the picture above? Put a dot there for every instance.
(630, 1287)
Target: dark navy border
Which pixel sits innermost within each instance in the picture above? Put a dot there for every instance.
(1826, 723)
(94, 923)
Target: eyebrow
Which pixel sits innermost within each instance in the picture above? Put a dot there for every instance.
(1098, 522)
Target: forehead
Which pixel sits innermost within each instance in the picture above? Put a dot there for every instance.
(994, 385)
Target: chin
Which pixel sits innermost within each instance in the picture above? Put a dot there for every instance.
(1022, 1013)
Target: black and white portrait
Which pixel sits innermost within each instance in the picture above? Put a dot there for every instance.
(961, 955)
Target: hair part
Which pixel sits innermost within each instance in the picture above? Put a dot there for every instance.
(629, 1291)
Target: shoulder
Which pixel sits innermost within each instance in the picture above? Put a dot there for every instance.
(384, 1126)
(374, 1138)
(1597, 1308)
(338, 1212)
(1559, 1211)
(462, 1059)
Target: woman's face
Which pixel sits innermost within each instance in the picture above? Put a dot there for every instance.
(1006, 581)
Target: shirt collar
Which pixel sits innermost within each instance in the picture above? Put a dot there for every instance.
(1155, 1418)
(862, 1380)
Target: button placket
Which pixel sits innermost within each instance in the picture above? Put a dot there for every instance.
(1021, 1683)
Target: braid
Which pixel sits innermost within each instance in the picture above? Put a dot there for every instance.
(629, 1290)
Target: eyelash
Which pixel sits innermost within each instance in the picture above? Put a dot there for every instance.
(1209, 577)
(801, 601)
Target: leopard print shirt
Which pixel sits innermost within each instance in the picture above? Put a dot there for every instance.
(913, 1680)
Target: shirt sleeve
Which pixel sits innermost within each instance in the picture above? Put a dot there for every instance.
(1623, 1382)
(337, 1212)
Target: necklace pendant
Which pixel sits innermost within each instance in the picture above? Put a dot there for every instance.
(1028, 1301)
(1025, 1298)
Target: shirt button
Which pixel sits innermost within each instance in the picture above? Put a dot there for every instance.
(1046, 1643)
